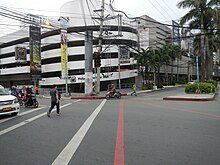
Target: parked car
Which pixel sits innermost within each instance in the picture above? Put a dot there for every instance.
(8, 104)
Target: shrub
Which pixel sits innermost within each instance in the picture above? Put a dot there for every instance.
(191, 88)
(159, 85)
(204, 87)
(147, 86)
(180, 82)
(214, 82)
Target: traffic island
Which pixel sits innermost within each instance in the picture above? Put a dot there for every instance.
(191, 97)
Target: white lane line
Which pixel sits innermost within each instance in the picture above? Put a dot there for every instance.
(21, 114)
(77, 101)
(27, 112)
(30, 111)
(26, 121)
(65, 156)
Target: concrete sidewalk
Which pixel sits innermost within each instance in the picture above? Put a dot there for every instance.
(127, 92)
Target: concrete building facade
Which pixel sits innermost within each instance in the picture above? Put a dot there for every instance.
(116, 34)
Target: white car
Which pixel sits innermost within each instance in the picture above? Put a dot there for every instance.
(192, 82)
(8, 104)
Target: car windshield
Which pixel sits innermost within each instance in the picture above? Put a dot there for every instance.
(2, 91)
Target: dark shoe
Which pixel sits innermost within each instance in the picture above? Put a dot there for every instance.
(48, 114)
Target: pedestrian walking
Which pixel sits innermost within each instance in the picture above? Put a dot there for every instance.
(134, 87)
(55, 100)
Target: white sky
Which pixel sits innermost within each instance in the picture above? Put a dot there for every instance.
(161, 10)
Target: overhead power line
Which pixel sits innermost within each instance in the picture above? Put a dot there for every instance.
(157, 9)
(159, 23)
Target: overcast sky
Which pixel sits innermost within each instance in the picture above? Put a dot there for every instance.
(161, 10)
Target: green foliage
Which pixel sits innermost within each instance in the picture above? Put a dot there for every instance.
(147, 86)
(172, 83)
(203, 86)
(191, 88)
(181, 82)
(159, 85)
(214, 82)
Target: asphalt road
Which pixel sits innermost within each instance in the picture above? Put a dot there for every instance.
(136, 130)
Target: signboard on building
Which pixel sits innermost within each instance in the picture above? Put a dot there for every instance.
(20, 55)
(35, 52)
(191, 42)
(64, 54)
(124, 54)
(143, 36)
(175, 33)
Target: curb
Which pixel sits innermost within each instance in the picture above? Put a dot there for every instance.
(189, 99)
(123, 94)
(88, 97)
(93, 97)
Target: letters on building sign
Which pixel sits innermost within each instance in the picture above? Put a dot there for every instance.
(104, 75)
(123, 61)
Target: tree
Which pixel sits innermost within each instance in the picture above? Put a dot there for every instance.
(143, 62)
(200, 16)
(159, 58)
(173, 52)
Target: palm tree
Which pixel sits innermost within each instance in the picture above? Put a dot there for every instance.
(143, 62)
(200, 16)
(216, 39)
(173, 52)
(179, 52)
(163, 59)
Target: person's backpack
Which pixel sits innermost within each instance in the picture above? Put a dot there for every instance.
(59, 95)
(14, 93)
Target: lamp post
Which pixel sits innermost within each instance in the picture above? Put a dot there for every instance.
(119, 68)
(197, 70)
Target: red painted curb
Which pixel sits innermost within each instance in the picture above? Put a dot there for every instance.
(93, 97)
(88, 97)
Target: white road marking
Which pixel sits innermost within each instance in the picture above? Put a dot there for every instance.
(30, 111)
(65, 156)
(26, 121)
(77, 101)
(27, 112)
(21, 114)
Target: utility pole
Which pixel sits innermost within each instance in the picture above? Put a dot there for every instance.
(197, 70)
(202, 51)
(119, 68)
(119, 50)
(100, 45)
(64, 50)
(102, 18)
(88, 63)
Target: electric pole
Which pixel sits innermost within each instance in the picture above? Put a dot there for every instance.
(102, 18)
(100, 45)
